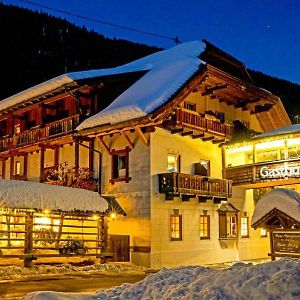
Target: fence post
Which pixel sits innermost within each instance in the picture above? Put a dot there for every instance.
(28, 242)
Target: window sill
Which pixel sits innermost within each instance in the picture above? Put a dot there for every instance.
(204, 238)
(245, 237)
(126, 179)
(228, 238)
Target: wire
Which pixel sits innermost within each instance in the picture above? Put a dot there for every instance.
(174, 39)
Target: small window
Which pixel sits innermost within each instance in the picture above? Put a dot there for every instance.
(231, 226)
(190, 106)
(173, 163)
(120, 165)
(202, 168)
(244, 227)
(204, 227)
(263, 232)
(176, 227)
(220, 116)
(18, 168)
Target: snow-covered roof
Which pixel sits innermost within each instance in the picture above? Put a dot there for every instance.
(295, 128)
(25, 194)
(168, 70)
(285, 200)
(63, 80)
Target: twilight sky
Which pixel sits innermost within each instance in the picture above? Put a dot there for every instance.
(264, 34)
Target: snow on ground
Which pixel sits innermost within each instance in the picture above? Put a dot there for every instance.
(272, 280)
(16, 273)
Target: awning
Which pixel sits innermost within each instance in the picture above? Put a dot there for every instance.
(32, 195)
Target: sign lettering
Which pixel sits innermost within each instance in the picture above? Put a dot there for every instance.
(284, 171)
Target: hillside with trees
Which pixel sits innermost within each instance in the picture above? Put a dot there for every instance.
(36, 47)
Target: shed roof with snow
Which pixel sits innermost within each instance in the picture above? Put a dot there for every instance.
(33, 195)
(279, 201)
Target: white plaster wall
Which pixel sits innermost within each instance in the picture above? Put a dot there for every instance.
(33, 170)
(193, 250)
(67, 154)
(84, 156)
(134, 196)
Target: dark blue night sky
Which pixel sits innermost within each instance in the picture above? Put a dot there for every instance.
(264, 34)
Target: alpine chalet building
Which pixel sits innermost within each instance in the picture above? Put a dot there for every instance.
(151, 133)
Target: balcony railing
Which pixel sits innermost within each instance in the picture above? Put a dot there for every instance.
(192, 120)
(35, 135)
(175, 184)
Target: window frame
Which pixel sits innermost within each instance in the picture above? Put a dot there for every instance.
(207, 236)
(178, 162)
(223, 221)
(17, 170)
(179, 216)
(186, 104)
(263, 235)
(247, 228)
(115, 154)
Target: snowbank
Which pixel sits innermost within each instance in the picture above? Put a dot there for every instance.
(285, 200)
(273, 280)
(25, 194)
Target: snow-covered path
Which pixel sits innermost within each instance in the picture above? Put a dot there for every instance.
(272, 280)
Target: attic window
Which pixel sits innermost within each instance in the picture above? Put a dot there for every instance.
(120, 165)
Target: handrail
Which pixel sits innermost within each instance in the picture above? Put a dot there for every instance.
(35, 135)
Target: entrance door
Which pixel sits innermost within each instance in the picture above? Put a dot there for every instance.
(119, 245)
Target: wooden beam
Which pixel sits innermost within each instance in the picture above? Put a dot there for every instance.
(209, 90)
(177, 130)
(76, 158)
(91, 155)
(197, 136)
(187, 133)
(3, 168)
(25, 169)
(131, 144)
(100, 138)
(56, 157)
(12, 166)
(209, 138)
(141, 135)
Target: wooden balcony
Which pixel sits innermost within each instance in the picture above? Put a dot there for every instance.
(188, 122)
(190, 186)
(34, 135)
(265, 174)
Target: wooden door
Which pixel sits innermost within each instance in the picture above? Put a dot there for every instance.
(119, 245)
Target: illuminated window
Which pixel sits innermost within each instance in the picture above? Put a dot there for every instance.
(120, 165)
(18, 168)
(263, 232)
(244, 227)
(176, 227)
(173, 163)
(204, 227)
(17, 128)
(231, 226)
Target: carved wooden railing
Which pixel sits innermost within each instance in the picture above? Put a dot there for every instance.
(179, 183)
(35, 135)
(195, 121)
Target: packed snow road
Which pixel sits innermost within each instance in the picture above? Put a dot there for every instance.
(68, 283)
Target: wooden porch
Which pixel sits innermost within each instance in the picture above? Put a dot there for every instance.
(35, 135)
(191, 186)
(188, 122)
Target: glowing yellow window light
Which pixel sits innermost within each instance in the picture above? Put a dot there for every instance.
(240, 149)
(270, 145)
(291, 142)
(42, 223)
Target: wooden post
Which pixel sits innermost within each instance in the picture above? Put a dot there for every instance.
(8, 230)
(42, 163)
(3, 168)
(28, 242)
(12, 166)
(271, 245)
(104, 246)
(25, 165)
(56, 158)
(91, 156)
(223, 163)
(76, 159)
(60, 228)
